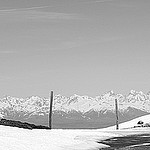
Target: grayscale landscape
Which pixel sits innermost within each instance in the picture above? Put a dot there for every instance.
(74, 74)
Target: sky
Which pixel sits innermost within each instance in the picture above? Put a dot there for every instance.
(84, 47)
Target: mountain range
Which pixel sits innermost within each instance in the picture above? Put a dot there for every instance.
(76, 111)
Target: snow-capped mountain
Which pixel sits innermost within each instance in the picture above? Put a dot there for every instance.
(76, 111)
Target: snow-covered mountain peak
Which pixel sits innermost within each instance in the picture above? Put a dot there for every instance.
(133, 92)
(110, 93)
(108, 96)
(148, 94)
(136, 96)
(78, 103)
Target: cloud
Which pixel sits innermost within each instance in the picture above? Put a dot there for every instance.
(113, 2)
(82, 41)
(48, 6)
(51, 15)
(99, 1)
(123, 5)
(27, 14)
(23, 9)
(6, 77)
(7, 52)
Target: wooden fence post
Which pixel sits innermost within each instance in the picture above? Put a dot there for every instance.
(50, 111)
(117, 118)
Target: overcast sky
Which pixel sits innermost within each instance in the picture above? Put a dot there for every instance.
(84, 47)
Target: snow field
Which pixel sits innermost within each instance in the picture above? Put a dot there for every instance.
(12, 138)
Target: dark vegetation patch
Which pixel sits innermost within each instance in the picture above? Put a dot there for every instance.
(126, 142)
(20, 124)
(142, 147)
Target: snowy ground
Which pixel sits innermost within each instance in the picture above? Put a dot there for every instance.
(12, 138)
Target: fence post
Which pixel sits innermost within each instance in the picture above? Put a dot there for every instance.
(116, 108)
(50, 111)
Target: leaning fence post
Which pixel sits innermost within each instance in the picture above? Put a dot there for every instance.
(117, 118)
(50, 111)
